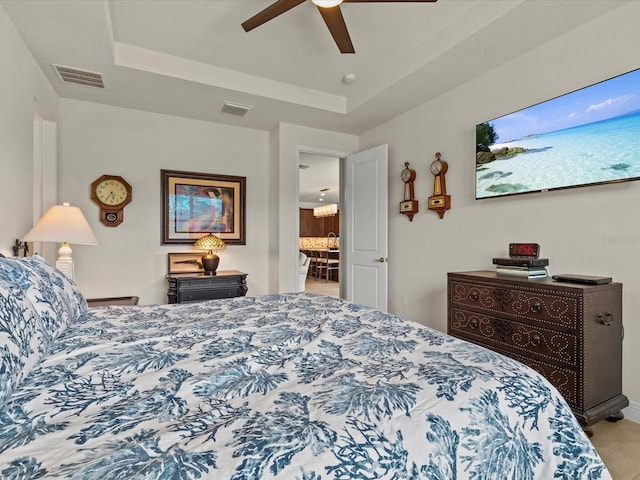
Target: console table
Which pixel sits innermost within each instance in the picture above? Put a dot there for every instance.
(196, 287)
(570, 333)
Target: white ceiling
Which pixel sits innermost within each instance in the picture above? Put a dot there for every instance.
(185, 57)
(323, 173)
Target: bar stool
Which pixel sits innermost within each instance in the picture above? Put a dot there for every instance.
(313, 262)
(326, 265)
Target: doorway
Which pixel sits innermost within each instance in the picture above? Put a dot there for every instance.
(363, 194)
(319, 226)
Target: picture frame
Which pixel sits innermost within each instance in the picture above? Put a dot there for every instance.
(184, 262)
(195, 204)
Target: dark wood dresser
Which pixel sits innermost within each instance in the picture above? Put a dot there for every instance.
(570, 333)
(196, 287)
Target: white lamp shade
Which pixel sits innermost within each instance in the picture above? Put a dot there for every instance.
(62, 223)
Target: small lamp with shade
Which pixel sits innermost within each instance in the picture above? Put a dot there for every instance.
(63, 224)
(210, 260)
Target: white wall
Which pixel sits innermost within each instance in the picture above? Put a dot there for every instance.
(97, 139)
(24, 90)
(592, 230)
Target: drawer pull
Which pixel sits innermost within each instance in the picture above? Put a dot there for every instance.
(606, 318)
(536, 307)
(535, 340)
(473, 323)
(474, 295)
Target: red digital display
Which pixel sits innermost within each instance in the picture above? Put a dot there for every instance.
(528, 250)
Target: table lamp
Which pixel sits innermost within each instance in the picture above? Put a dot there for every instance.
(210, 260)
(66, 224)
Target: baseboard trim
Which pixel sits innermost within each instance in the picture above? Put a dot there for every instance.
(632, 412)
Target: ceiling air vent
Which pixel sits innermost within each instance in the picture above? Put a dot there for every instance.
(79, 77)
(235, 108)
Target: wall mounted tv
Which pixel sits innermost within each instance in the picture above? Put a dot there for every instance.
(588, 137)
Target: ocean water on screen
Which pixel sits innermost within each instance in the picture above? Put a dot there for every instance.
(602, 151)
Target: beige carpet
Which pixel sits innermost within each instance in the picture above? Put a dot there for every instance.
(619, 446)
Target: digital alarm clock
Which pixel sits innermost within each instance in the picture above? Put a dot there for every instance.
(524, 250)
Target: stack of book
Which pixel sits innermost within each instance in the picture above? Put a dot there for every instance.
(522, 267)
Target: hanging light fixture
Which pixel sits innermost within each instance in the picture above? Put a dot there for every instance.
(325, 210)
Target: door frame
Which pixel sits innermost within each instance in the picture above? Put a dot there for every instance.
(323, 152)
(343, 293)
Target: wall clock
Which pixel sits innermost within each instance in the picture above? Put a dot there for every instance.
(439, 202)
(409, 206)
(112, 193)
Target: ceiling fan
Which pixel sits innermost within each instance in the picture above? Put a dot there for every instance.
(330, 11)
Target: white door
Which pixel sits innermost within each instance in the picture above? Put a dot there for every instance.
(365, 247)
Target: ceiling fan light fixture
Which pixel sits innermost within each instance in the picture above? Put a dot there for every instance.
(327, 3)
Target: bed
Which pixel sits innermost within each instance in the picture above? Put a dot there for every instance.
(290, 386)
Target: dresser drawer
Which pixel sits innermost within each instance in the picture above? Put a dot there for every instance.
(185, 288)
(187, 296)
(204, 282)
(564, 379)
(539, 306)
(543, 344)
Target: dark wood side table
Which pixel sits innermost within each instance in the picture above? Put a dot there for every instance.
(196, 287)
(98, 302)
(570, 333)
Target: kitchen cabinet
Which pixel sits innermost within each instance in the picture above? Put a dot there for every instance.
(306, 222)
(311, 226)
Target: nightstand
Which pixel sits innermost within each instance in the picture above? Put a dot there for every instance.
(196, 287)
(98, 302)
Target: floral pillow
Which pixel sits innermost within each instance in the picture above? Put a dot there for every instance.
(22, 339)
(55, 298)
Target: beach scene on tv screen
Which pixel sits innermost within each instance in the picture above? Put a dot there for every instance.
(586, 137)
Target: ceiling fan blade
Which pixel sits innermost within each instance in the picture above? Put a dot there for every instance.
(269, 13)
(335, 22)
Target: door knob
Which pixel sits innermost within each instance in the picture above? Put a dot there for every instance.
(381, 259)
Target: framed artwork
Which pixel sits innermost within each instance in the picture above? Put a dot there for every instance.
(194, 204)
(185, 262)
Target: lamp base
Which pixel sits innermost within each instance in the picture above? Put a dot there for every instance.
(210, 263)
(65, 262)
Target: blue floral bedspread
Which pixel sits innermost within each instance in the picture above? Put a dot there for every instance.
(295, 386)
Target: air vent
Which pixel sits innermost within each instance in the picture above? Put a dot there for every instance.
(235, 108)
(79, 77)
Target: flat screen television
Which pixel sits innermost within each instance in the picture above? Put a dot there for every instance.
(587, 137)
